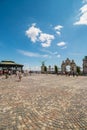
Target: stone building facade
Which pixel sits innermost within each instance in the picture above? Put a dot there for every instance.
(85, 65)
(70, 63)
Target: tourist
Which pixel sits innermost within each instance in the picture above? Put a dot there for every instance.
(73, 74)
(19, 75)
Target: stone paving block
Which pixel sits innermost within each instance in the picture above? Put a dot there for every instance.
(43, 102)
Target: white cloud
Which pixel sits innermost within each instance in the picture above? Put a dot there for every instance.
(31, 54)
(47, 51)
(33, 33)
(84, 1)
(58, 29)
(59, 33)
(52, 54)
(37, 55)
(58, 56)
(83, 16)
(61, 44)
(46, 39)
(27, 53)
(33, 24)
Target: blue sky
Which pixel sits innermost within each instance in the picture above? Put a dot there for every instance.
(32, 31)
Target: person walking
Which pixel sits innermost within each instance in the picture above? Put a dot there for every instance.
(19, 75)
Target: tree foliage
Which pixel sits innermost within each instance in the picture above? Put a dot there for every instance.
(78, 70)
(45, 69)
(56, 69)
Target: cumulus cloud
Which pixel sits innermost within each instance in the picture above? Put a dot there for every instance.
(58, 29)
(82, 15)
(35, 34)
(46, 39)
(61, 44)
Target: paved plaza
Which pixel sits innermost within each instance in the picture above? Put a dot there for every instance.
(43, 102)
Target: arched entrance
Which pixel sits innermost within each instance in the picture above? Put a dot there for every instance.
(68, 66)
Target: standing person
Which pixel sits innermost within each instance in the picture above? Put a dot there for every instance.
(19, 75)
(73, 74)
(6, 73)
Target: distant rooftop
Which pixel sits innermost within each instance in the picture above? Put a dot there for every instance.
(8, 62)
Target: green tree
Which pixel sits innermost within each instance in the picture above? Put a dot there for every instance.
(78, 70)
(45, 69)
(56, 69)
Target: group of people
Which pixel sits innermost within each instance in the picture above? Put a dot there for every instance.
(70, 74)
(17, 73)
(9, 73)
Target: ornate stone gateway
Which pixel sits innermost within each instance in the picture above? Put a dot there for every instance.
(68, 66)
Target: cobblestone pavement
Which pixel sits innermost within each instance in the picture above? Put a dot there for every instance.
(43, 102)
